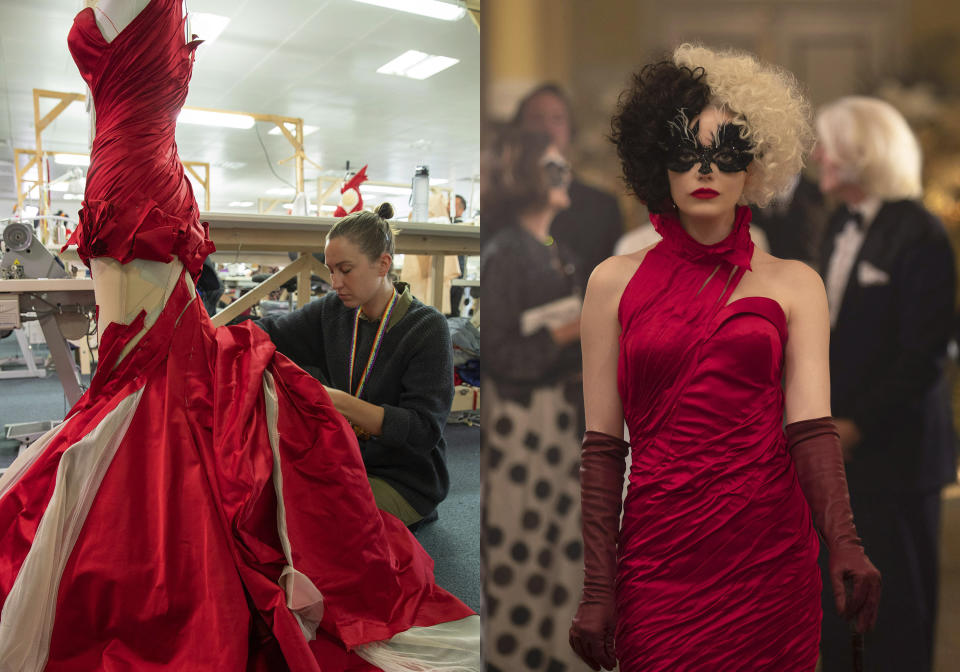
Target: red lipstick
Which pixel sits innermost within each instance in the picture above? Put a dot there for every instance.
(705, 193)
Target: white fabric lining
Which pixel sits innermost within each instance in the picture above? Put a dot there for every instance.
(304, 599)
(26, 622)
(25, 459)
(445, 647)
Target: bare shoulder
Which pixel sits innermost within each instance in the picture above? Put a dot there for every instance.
(613, 273)
(797, 284)
(607, 283)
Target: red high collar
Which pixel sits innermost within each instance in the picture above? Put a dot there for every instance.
(736, 248)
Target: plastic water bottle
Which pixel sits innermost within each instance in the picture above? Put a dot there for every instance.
(420, 194)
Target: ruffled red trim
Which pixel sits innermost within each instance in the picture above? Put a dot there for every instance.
(736, 248)
(139, 229)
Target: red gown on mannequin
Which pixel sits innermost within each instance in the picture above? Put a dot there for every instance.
(203, 506)
(718, 553)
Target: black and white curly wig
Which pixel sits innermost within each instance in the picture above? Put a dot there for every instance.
(765, 101)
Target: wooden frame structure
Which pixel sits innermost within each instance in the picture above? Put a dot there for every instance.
(65, 99)
(26, 184)
(272, 234)
(204, 181)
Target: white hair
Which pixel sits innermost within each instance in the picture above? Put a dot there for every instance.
(873, 146)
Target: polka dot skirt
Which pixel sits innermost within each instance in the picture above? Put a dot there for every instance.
(531, 545)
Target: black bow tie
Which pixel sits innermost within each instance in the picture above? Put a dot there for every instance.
(854, 216)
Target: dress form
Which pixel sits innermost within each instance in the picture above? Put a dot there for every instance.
(112, 16)
(123, 290)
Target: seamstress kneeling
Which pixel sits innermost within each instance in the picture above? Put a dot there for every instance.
(386, 360)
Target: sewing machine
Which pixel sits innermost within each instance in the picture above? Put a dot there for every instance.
(35, 285)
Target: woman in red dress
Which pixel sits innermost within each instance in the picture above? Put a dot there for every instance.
(203, 506)
(703, 345)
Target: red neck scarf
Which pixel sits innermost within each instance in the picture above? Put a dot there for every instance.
(736, 248)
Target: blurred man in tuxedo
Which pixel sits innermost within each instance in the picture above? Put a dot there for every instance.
(890, 276)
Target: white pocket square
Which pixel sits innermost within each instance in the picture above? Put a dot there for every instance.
(869, 275)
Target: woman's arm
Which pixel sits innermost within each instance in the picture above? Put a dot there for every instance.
(298, 335)
(507, 354)
(367, 416)
(807, 355)
(600, 342)
(602, 464)
(815, 447)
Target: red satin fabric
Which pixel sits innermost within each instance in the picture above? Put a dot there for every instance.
(178, 561)
(139, 83)
(718, 554)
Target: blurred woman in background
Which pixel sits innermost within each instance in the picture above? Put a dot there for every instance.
(532, 395)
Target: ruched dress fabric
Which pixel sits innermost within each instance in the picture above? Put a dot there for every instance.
(717, 559)
(203, 506)
(137, 203)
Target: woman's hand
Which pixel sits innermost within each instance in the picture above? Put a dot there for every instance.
(601, 485)
(849, 436)
(566, 333)
(368, 417)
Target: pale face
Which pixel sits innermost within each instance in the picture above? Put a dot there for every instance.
(548, 114)
(702, 193)
(832, 178)
(354, 277)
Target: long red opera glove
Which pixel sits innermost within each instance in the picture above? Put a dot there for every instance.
(815, 447)
(601, 486)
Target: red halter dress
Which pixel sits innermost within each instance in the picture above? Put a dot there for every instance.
(203, 506)
(718, 554)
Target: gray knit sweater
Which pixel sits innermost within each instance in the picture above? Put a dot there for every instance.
(412, 379)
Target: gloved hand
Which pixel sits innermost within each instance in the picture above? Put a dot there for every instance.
(601, 487)
(815, 447)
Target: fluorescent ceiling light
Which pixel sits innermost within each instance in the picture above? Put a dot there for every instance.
(72, 159)
(208, 118)
(430, 67)
(281, 191)
(72, 197)
(416, 65)
(328, 208)
(287, 205)
(435, 9)
(307, 129)
(207, 26)
(60, 186)
(402, 63)
(438, 181)
(241, 204)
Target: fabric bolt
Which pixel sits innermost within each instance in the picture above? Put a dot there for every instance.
(717, 552)
(203, 505)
